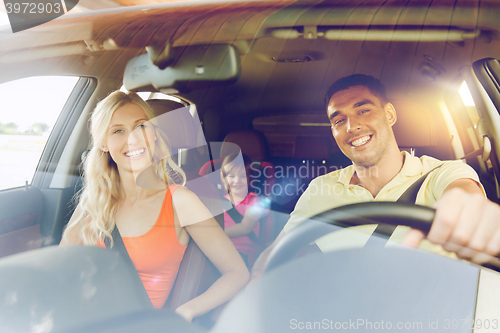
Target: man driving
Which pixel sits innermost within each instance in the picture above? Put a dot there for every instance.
(361, 120)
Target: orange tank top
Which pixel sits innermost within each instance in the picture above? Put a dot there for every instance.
(157, 254)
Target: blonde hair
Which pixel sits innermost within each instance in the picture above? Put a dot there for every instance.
(102, 188)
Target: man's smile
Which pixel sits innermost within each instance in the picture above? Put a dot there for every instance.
(360, 141)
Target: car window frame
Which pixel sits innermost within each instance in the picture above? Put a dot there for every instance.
(62, 131)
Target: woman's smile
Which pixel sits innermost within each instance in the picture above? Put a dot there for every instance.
(135, 154)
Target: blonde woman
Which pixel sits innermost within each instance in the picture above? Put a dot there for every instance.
(132, 183)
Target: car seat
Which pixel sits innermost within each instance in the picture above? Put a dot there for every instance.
(254, 145)
(421, 129)
(196, 273)
(251, 143)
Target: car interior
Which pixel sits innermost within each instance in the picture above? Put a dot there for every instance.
(251, 77)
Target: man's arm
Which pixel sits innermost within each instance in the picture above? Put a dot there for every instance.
(466, 223)
(300, 213)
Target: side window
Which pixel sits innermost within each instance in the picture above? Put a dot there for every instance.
(478, 127)
(29, 109)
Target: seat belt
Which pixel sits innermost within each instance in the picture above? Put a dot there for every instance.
(237, 218)
(120, 248)
(383, 232)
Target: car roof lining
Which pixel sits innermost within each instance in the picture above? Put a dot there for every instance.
(270, 87)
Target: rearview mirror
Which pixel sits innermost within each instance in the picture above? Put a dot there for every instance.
(193, 66)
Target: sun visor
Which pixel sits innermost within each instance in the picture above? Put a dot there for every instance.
(192, 66)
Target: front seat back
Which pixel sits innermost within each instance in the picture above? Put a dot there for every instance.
(196, 273)
(261, 179)
(252, 144)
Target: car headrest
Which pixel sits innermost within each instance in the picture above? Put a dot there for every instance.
(177, 123)
(252, 143)
(311, 148)
(415, 126)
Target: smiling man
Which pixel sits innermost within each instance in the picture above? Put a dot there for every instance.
(362, 121)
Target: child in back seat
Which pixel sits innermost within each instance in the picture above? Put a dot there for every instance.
(241, 221)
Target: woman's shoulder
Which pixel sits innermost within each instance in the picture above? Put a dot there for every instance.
(181, 193)
(189, 207)
(177, 188)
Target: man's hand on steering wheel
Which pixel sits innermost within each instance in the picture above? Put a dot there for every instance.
(466, 223)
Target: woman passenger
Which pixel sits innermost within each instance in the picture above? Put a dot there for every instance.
(132, 183)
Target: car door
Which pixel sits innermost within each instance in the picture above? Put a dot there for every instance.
(485, 81)
(37, 117)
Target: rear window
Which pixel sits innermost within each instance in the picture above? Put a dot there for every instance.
(285, 132)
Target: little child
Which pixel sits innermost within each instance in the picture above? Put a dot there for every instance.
(241, 223)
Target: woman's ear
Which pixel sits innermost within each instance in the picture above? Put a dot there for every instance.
(390, 112)
(104, 149)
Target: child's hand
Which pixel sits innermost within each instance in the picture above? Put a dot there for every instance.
(254, 212)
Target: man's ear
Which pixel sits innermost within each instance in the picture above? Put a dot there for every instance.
(390, 112)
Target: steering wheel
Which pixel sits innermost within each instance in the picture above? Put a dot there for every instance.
(392, 213)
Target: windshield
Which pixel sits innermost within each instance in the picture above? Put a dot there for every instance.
(252, 166)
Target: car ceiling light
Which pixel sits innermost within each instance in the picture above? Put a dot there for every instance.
(286, 33)
(292, 59)
(466, 95)
(402, 35)
(426, 35)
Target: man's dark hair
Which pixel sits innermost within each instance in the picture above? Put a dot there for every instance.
(374, 85)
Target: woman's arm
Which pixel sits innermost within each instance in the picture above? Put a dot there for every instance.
(219, 249)
(250, 219)
(72, 235)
